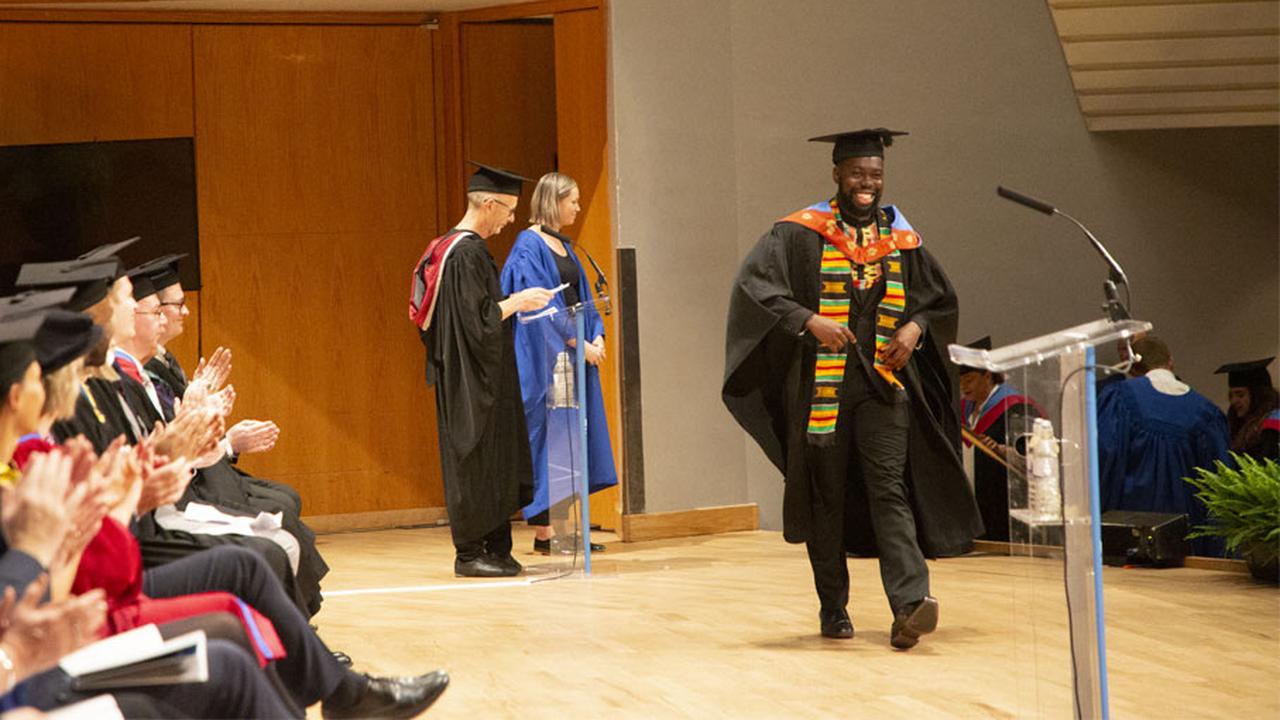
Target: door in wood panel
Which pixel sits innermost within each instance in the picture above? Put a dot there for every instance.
(581, 139)
(509, 106)
(316, 167)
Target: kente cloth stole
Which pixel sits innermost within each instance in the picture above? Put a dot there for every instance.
(874, 260)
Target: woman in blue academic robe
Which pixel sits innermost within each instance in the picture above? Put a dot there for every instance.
(543, 257)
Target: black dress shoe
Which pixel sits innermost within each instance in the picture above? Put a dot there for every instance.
(912, 621)
(483, 566)
(542, 547)
(392, 697)
(507, 562)
(342, 658)
(836, 624)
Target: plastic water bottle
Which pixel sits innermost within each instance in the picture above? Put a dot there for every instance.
(1044, 494)
(564, 389)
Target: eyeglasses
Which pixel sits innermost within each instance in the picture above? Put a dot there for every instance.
(511, 209)
(157, 312)
(179, 304)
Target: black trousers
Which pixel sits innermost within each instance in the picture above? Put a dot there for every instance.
(310, 670)
(496, 542)
(871, 448)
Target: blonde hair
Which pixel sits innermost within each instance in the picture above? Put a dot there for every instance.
(61, 387)
(545, 205)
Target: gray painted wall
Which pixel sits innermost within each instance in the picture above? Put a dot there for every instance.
(712, 101)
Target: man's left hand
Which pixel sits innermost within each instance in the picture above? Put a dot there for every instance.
(898, 351)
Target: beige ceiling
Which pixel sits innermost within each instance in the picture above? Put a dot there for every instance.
(1142, 64)
(268, 5)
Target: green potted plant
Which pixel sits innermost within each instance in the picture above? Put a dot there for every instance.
(1244, 510)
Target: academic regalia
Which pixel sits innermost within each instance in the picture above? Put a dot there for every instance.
(1004, 409)
(533, 264)
(1257, 434)
(102, 414)
(484, 444)
(769, 379)
(1148, 441)
(112, 562)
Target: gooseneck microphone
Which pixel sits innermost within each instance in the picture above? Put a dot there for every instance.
(1115, 276)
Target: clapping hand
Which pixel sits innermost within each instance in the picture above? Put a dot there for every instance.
(209, 377)
(34, 513)
(251, 436)
(36, 636)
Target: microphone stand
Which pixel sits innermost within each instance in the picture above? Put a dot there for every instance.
(1116, 277)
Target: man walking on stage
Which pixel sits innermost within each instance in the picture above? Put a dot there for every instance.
(835, 363)
(457, 303)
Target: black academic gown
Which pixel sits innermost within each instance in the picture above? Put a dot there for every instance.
(484, 446)
(991, 479)
(768, 384)
(104, 419)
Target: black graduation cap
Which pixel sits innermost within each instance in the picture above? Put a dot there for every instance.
(1247, 374)
(63, 337)
(494, 180)
(17, 352)
(33, 300)
(868, 142)
(91, 274)
(142, 287)
(163, 271)
(982, 343)
(91, 279)
(110, 250)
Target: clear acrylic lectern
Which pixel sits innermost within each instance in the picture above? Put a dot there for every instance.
(561, 443)
(1054, 516)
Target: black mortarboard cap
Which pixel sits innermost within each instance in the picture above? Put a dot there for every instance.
(494, 180)
(63, 337)
(163, 271)
(868, 142)
(91, 278)
(17, 351)
(982, 343)
(91, 274)
(33, 300)
(142, 287)
(1247, 374)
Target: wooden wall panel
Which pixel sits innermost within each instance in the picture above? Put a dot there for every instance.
(509, 107)
(317, 191)
(582, 137)
(79, 82)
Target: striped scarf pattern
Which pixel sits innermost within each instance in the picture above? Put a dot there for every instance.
(838, 277)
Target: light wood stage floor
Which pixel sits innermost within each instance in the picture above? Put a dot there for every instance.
(726, 626)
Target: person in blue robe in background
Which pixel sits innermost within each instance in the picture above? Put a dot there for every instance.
(543, 257)
(1153, 431)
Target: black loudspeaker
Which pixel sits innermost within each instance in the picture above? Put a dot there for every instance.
(1130, 537)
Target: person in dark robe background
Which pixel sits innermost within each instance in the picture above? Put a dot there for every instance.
(989, 409)
(464, 319)
(543, 257)
(835, 364)
(1253, 418)
(1153, 431)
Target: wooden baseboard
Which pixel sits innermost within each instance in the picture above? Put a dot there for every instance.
(1195, 562)
(376, 520)
(684, 523)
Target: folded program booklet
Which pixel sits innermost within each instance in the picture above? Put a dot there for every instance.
(138, 658)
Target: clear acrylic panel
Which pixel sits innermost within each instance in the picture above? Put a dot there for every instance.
(561, 440)
(1054, 583)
